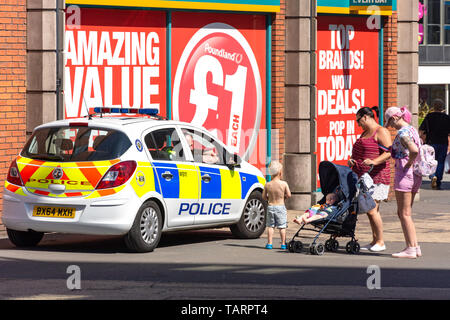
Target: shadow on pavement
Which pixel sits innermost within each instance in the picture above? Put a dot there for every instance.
(56, 242)
(191, 281)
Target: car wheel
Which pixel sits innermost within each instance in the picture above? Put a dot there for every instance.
(24, 238)
(145, 233)
(253, 219)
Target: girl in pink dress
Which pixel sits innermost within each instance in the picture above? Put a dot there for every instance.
(406, 183)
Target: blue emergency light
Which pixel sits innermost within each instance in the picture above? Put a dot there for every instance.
(146, 111)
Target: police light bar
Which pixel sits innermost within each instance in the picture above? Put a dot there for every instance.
(148, 111)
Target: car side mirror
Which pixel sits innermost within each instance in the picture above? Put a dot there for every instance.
(232, 160)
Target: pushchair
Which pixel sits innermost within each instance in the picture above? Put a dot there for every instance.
(339, 223)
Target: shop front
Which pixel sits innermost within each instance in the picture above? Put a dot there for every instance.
(350, 52)
(349, 56)
(203, 62)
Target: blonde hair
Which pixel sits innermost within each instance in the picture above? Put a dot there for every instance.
(275, 168)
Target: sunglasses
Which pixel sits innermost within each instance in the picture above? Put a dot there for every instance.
(359, 119)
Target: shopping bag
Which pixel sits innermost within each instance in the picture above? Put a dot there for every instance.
(365, 188)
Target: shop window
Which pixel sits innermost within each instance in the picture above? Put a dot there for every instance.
(434, 34)
(447, 22)
(434, 22)
(447, 34)
(447, 12)
(427, 94)
(434, 12)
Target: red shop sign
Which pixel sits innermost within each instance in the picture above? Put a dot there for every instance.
(115, 58)
(218, 82)
(347, 80)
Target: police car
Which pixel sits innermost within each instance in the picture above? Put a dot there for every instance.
(131, 176)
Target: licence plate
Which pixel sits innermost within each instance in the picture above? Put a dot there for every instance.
(54, 212)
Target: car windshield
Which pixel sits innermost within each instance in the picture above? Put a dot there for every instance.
(66, 144)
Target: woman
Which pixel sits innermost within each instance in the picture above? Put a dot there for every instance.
(406, 183)
(371, 150)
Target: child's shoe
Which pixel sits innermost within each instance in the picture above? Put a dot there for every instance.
(410, 253)
(434, 183)
(269, 246)
(283, 247)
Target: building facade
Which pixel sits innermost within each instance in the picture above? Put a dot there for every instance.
(342, 56)
(13, 81)
(293, 71)
(434, 52)
(206, 62)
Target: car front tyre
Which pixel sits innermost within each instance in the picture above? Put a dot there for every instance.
(253, 220)
(145, 233)
(24, 238)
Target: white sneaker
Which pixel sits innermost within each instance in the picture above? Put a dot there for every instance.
(366, 247)
(410, 252)
(377, 248)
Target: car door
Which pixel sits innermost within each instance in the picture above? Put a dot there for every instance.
(220, 187)
(178, 179)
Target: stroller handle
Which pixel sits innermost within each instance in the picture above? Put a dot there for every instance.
(371, 168)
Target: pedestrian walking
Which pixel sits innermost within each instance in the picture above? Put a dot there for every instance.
(275, 192)
(405, 149)
(435, 128)
(371, 149)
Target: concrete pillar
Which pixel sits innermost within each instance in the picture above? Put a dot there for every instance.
(408, 56)
(44, 60)
(300, 101)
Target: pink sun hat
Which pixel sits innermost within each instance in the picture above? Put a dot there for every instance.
(399, 112)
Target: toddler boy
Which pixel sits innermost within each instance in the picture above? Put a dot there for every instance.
(275, 192)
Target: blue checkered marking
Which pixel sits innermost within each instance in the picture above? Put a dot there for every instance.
(247, 181)
(170, 189)
(213, 189)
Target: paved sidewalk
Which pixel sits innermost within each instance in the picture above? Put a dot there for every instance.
(431, 214)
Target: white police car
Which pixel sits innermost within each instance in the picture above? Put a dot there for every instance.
(130, 176)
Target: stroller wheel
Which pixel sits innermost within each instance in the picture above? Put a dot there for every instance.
(291, 246)
(328, 244)
(335, 246)
(298, 246)
(332, 245)
(352, 247)
(318, 249)
(356, 247)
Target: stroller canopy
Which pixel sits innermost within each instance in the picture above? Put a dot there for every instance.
(333, 175)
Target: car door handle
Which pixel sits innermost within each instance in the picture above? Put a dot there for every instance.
(167, 175)
(206, 178)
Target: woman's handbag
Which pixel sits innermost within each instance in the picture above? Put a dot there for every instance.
(366, 188)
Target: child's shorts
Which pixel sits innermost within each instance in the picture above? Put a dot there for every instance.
(276, 217)
(405, 180)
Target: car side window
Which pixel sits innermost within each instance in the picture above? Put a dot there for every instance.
(203, 148)
(164, 144)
